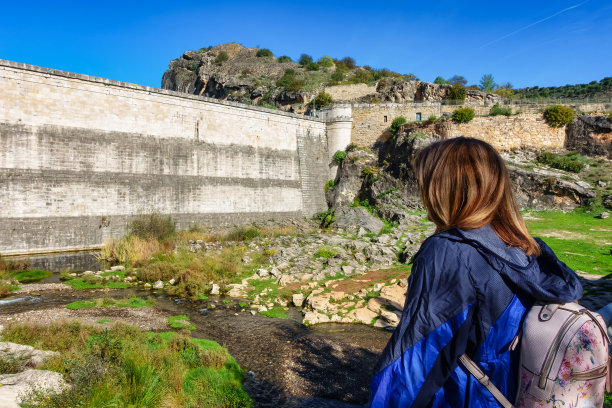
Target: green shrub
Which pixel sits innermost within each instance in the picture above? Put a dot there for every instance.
(329, 185)
(264, 52)
(497, 110)
(305, 59)
(339, 157)
(432, 118)
(349, 62)
(457, 93)
(312, 66)
(326, 218)
(323, 99)
(284, 58)
(567, 162)
(221, 58)
(463, 115)
(558, 115)
(325, 252)
(369, 172)
(152, 225)
(610, 116)
(243, 234)
(326, 61)
(396, 124)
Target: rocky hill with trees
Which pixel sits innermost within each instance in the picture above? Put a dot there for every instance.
(255, 76)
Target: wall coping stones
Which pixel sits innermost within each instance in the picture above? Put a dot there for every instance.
(149, 89)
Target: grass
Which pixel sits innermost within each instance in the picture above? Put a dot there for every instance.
(578, 238)
(125, 367)
(326, 253)
(92, 282)
(104, 320)
(135, 302)
(180, 322)
(277, 312)
(31, 275)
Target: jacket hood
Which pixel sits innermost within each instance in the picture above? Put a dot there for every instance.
(545, 278)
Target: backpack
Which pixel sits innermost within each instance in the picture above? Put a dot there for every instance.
(564, 359)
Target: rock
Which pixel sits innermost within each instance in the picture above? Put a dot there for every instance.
(377, 287)
(215, 290)
(395, 294)
(147, 285)
(583, 184)
(236, 291)
(117, 268)
(349, 217)
(362, 315)
(381, 324)
(14, 386)
(172, 281)
(604, 215)
(32, 357)
(275, 272)
(392, 318)
(602, 184)
(158, 285)
(298, 299)
(383, 239)
(285, 279)
(315, 318)
(262, 273)
(347, 269)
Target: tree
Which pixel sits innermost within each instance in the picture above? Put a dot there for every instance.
(323, 99)
(458, 79)
(305, 59)
(440, 81)
(349, 62)
(487, 83)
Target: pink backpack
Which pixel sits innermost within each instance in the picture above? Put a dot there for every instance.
(564, 359)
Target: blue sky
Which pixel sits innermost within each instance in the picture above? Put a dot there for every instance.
(527, 43)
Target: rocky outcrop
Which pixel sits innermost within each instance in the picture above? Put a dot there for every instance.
(590, 135)
(233, 72)
(543, 190)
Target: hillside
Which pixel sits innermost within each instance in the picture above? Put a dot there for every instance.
(592, 90)
(255, 76)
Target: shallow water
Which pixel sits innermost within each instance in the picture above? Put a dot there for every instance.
(293, 365)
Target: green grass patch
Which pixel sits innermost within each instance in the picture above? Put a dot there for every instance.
(31, 275)
(135, 302)
(325, 252)
(277, 312)
(91, 282)
(578, 238)
(123, 366)
(260, 285)
(119, 274)
(105, 320)
(180, 322)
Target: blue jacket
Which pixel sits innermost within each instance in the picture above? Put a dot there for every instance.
(464, 296)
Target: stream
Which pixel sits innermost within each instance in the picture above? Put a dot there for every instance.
(289, 364)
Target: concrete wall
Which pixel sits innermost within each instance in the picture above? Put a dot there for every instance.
(80, 156)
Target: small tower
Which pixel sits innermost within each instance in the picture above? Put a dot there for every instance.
(339, 120)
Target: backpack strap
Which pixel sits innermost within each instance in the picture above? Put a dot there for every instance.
(484, 380)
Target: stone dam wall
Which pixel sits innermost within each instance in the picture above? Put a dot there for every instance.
(81, 156)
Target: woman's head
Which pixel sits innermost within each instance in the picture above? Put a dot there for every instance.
(464, 183)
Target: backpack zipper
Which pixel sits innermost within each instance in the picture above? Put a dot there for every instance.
(591, 374)
(553, 350)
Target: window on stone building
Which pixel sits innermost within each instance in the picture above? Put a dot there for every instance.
(385, 119)
(418, 116)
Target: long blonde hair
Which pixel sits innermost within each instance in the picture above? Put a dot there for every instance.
(464, 183)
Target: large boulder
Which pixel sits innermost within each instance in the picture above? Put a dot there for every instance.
(15, 386)
(590, 135)
(356, 217)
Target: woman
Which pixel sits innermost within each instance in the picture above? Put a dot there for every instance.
(471, 283)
